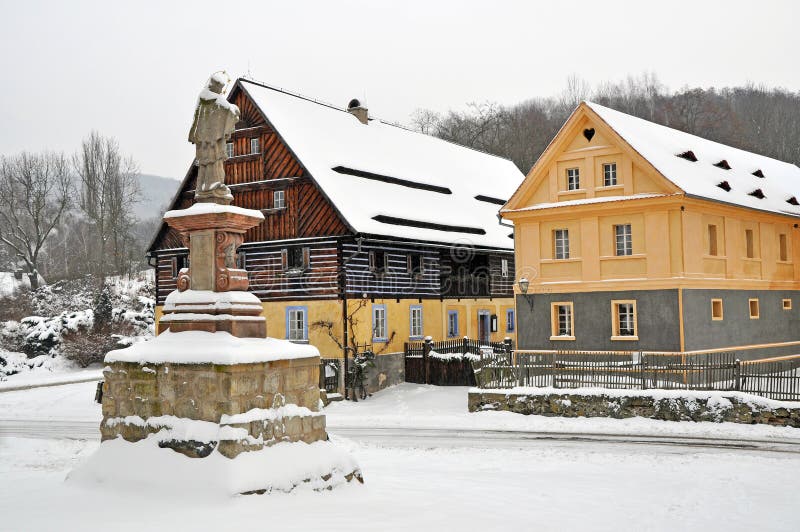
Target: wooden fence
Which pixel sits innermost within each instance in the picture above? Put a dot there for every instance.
(449, 362)
(775, 378)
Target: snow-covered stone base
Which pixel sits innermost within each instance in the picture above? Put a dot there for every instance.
(145, 466)
(668, 405)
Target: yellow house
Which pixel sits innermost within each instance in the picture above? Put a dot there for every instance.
(374, 235)
(634, 236)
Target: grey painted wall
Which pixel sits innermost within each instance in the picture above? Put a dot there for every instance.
(657, 314)
(737, 329)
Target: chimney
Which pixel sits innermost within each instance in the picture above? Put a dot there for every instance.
(359, 111)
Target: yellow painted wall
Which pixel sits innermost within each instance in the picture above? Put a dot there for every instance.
(434, 320)
(670, 233)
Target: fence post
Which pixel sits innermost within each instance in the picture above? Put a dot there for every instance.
(427, 347)
(465, 345)
(737, 374)
(642, 369)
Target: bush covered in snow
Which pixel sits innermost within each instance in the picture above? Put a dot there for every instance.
(75, 321)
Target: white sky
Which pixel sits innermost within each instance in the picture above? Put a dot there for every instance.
(133, 69)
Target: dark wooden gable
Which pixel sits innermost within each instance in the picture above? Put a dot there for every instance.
(253, 178)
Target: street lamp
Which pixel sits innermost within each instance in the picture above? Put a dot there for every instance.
(523, 285)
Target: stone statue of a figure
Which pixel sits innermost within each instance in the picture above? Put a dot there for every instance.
(214, 121)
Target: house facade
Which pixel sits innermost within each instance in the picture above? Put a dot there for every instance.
(631, 236)
(373, 234)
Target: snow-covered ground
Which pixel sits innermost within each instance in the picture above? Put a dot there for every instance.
(427, 484)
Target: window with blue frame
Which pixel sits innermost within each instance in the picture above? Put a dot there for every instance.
(510, 320)
(297, 324)
(452, 323)
(415, 321)
(379, 327)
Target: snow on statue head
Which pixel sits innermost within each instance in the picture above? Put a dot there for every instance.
(213, 125)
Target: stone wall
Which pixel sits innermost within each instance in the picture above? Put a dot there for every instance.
(672, 405)
(206, 392)
(389, 370)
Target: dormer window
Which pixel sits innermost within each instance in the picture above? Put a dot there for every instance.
(688, 155)
(757, 193)
(793, 201)
(278, 201)
(573, 179)
(758, 173)
(255, 145)
(723, 164)
(229, 150)
(724, 186)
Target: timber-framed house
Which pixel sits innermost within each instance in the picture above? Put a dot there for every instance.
(396, 230)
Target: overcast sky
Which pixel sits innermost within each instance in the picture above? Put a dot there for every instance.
(133, 69)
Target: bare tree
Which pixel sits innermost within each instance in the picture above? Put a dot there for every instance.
(34, 195)
(109, 187)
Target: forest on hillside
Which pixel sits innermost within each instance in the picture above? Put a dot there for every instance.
(755, 118)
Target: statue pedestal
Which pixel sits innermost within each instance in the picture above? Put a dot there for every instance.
(211, 403)
(212, 292)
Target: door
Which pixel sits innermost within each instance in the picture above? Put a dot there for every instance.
(483, 326)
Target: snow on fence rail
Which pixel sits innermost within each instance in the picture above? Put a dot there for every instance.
(775, 378)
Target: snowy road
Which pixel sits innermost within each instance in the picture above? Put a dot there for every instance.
(431, 438)
(429, 465)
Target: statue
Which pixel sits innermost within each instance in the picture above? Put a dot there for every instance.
(214, 121)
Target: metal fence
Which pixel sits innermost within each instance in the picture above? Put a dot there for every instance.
(777, 378)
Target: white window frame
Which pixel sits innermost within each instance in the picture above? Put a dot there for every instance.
(278, 199)
(255, 145)
(229, 150)
(609, 174)
(623, 240)
(379, 324)
(504, 267)
(573, 178)
(297, 324)
(415, 321)
(561, 244)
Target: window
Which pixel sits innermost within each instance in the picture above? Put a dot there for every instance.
(504, 267)
(378, 261)
(561, 243)
(415, 321)
(624, 245)
(787, 304)
(510, 324)
(573, 179)
(784, 247)
(562, 324)
(609, 174)
(255, 146)
(241, 260)
(415, 265)
(452, 323)
(716, 309)
(229, 149)
(748, 243)
(712, 240)
(278, 201)
(379, 323)
(297, 324)
(624, 326)
(753, 303)
(178, 263)
(295, 259)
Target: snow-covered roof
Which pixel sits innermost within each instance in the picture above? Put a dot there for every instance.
(716, 167)
(586, 201)
(391, 181)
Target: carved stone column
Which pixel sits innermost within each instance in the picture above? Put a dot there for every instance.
(212, 292)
